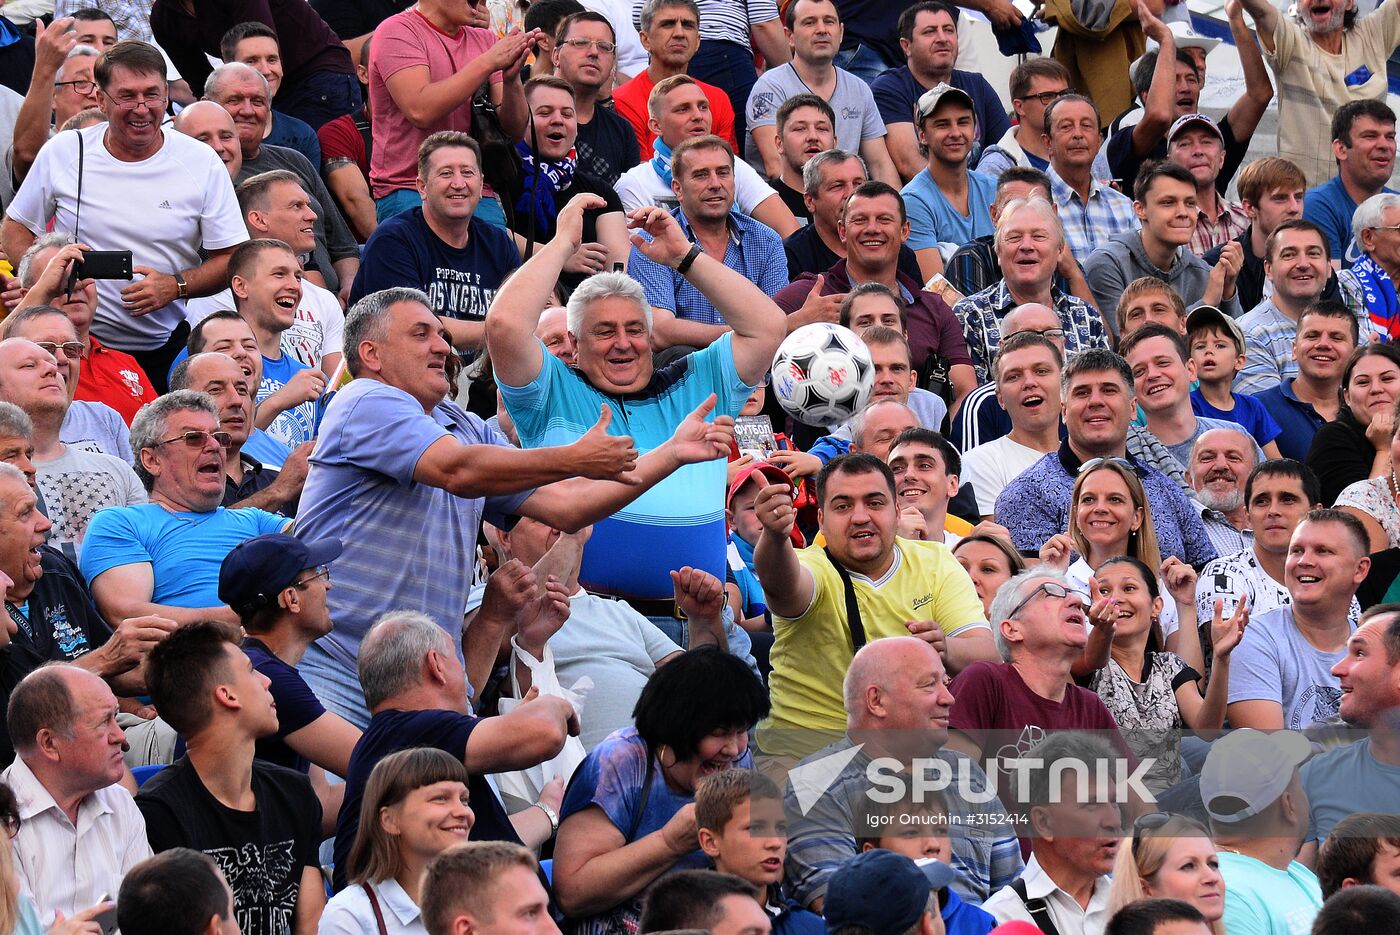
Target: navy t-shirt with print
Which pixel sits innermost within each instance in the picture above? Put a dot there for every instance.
(392, 731)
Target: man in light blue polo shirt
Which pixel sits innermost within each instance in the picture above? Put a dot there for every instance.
(163, 557)
(681, 521)
(403, 475)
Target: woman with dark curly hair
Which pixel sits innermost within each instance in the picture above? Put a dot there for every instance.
(629, 812)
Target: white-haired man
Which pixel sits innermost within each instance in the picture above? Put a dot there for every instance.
(1029, 241)
(681, 522)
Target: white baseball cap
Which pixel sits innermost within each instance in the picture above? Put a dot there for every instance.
(1250, 766)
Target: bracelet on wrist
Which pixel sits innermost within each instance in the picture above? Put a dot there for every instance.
(689, 259)
(551, 814)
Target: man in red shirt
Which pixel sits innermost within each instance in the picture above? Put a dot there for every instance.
(106, 375)
(671, 33)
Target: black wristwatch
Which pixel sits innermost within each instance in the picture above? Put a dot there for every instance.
(689, 259)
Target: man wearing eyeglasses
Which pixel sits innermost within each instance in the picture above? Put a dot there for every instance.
(61, 86)
(1035, 84)
(157, 193)
(163, 557)
(75, 483)
(585, 56)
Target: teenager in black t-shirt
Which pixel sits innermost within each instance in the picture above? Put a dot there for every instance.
(261, 823)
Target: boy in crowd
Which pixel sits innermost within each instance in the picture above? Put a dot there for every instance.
(739, 813)
(1217, 350)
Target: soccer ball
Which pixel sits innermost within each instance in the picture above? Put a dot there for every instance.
(823, 374)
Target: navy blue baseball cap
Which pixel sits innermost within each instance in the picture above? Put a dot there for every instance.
(260, 568)
(883, 891)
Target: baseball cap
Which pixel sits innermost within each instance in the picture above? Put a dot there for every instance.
(931, 98)
(258, 569)
(1253, 767)
(883, 891)
(1186, 120)
(1210, 315)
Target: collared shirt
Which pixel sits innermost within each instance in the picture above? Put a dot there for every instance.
(1212, 233)
(64, 868)
(986, 853)
(256, 477)
(349, 912)
(1299, 420)
(753, 250)
(980, 316)
(1065, 911)
(1038, 500)
(1222, 533)
(115, 378)
(1089, 225)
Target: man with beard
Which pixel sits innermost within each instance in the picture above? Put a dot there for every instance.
(1220, 463)
(1321, 61)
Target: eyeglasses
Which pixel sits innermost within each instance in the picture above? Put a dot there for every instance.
(81, 86)
(322, 571)
(196, 439)
(583, 45)
(1047, 332)
(1149, 822)
(1387, 227)
(155, 100)
(1045, 97)
(1093, 463)
(1052, 588)
(70, 349)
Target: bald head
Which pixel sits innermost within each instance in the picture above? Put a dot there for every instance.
(220, 78)
(1033, 317)
(45, 700)
(876, 665)
(877, 426)
(209, 123)
(553, 332)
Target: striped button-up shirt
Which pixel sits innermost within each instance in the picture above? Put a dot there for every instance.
(1089, 225)
(1212, 233)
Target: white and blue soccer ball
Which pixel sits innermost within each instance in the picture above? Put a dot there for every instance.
(823, 374)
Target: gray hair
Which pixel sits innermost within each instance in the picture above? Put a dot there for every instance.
(14, 423)
(10, 472)
(1235, 499)
(392, 653)
(1033, 203)
(1011, 593)
(149, 425)
(812, 170)
(857, 422)
(604, 285)
(228, 69)
(1370, 214)
(25, 271)
(82, 51)
(1057, 755)
(369, 320)
(652, 7)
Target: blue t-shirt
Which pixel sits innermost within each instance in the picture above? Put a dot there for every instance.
(1347, 780)
(897, 91)
(1330, 207)
(403, 251)
(933, 220)
(1248, 412)
(184, 550)
(266, 450)
(297, 705)
(1260, 900)
(392, 731)
(407, 544)
(297, 424)
(1298, 421)
(680, 520)
(295, 134)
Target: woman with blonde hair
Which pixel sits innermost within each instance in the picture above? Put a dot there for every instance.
(415, 807)
(1170, 856)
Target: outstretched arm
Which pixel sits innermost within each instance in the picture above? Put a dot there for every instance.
(787, 586)
(1258, 89)
(1159, 109)
(1265, 16)
(759, 325)
(511, 321)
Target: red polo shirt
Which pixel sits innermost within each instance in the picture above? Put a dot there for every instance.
(115, 378)
(630, 101)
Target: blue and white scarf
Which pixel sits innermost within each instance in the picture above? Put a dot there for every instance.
(661, 161)
(541, 180)
(1378, 290)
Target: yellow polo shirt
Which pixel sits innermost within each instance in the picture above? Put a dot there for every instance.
(812, 652)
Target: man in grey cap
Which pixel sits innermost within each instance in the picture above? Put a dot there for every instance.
(1253, 793)
(947, 202)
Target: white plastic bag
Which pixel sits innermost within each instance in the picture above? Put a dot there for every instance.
(526, 784)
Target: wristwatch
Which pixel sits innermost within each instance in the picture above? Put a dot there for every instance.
(689, 259)
(182, 288)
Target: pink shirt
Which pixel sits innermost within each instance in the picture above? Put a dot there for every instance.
(402, 41)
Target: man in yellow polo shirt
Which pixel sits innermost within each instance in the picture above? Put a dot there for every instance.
(897, 586)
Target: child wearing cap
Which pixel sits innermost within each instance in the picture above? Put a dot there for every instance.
(918, 826)
(1217, 350)
(739, 814)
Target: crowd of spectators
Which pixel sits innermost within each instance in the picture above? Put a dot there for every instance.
(399, 534)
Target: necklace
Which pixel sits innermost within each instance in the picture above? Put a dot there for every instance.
(1394, 486)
